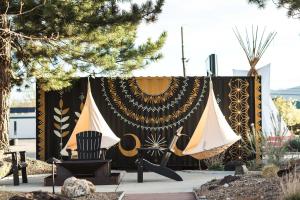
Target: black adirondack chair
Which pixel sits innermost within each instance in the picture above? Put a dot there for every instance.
(91, 163)
(89, 146)
(162, 168)
(18, 165)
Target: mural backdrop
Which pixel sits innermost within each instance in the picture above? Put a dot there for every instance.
(147, 111)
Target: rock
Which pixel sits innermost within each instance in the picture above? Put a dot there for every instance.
(228, 179)
(231, 165)
(240, 170)
(212, 187)
(226, 185)
(74, 187)
(5, 168)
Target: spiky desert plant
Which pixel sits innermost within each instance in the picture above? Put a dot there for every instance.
(254, 46)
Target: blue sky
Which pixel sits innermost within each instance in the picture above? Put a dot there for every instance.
(208, 29)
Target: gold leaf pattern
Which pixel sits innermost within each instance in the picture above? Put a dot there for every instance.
(65, 111)
(61, 120)
(57, 126)
(61, 103)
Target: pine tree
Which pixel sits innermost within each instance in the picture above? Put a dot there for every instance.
(53, 40)
(293, 6)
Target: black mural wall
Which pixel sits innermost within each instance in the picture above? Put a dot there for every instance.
(147, 112)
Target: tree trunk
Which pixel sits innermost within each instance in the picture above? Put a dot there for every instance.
(5, 80)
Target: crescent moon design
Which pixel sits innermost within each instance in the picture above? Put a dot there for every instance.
(132, 152)
(177, 151)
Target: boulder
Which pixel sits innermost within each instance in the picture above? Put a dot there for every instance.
(5, 168)
(74, 187)
(240, 170)
(231, 165)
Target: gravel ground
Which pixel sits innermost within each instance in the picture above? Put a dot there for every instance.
(48, 196)
(248, 187)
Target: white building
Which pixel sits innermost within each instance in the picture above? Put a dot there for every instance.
(22, 123)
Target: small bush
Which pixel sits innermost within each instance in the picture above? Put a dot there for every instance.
(215, 163)
(269, 171)
(291, 188)
(294, 145)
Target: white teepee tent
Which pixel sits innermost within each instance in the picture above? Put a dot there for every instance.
(269, 110)
(213, 135)
(91, 120)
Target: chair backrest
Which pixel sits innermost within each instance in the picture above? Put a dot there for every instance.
(88, 145)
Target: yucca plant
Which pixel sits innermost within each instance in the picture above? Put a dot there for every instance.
(254, 46)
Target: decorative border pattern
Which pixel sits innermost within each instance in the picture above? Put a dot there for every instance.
(41, 126)
(257, 95)
(258, 117)
(239, 114)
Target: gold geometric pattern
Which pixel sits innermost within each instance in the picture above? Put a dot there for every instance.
(239, 117)
(41, 126)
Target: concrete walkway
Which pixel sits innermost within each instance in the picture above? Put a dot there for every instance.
(161, 196)
(153, 183)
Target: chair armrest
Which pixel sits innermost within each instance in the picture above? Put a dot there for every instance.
(10, 152)
(22, 156)
(69, 153)
(103, 153)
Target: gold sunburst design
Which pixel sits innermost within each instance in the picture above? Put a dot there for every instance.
(154, 85)
(154, 89)
(155, 140)
(154, 120)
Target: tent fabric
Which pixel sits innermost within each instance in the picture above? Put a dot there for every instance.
(269, 109)
(213, 134)
(91, 120)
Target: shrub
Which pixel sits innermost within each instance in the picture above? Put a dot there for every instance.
(215, 163)
(269, 171)
(294, 145)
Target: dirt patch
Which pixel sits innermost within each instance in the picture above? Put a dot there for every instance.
(48, 196)
(248, 187)
(38, 167)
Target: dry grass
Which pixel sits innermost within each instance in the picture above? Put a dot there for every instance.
(291, 187)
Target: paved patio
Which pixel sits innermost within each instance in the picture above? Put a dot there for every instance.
(153, 183)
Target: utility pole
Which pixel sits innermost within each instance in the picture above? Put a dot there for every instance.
(182, 52)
